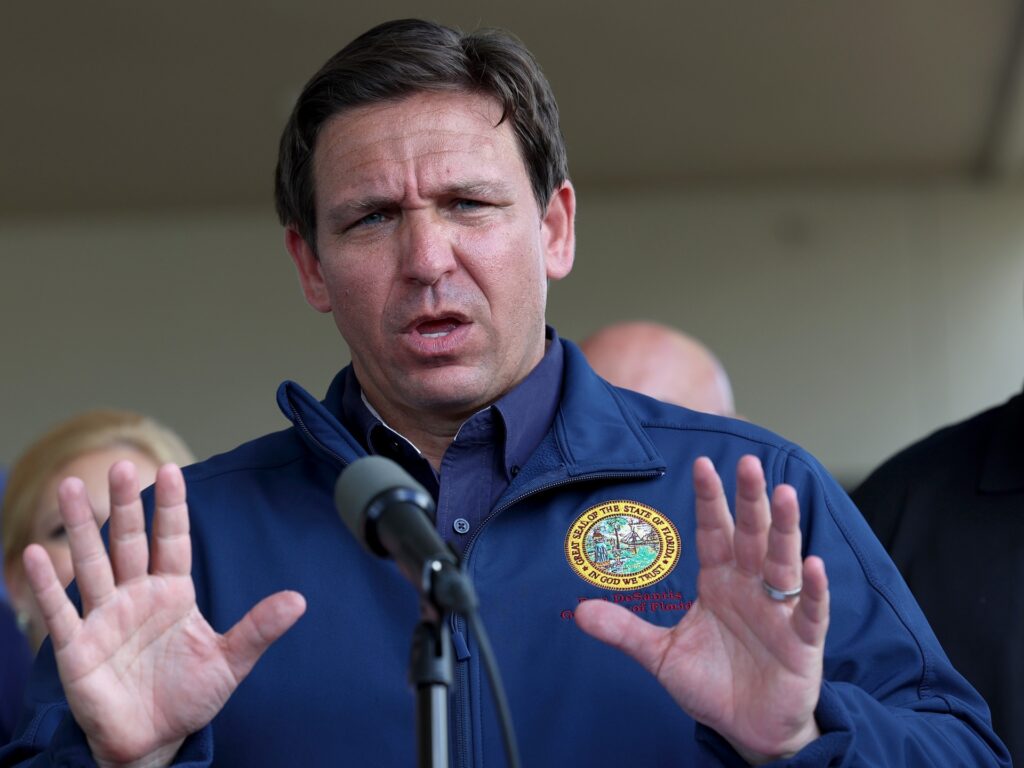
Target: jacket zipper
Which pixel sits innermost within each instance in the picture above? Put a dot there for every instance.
(458, 624)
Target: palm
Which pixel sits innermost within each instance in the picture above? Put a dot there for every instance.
(142, 668)
(745, 665)
(742, 652)
(130, 659)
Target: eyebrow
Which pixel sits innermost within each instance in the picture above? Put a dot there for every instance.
(345, 213)
(478, 189)
(358, 207)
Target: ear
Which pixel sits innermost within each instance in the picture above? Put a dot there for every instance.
(558, 232)
(307, 264)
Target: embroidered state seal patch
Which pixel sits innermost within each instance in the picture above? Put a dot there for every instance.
(622, 545)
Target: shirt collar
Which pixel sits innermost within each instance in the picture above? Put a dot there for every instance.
(363, 421)
(529, 408)
(526, 411)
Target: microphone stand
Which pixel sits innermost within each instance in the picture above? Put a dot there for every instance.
(431, 674)
(444, 588)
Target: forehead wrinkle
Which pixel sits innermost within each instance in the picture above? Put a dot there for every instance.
(414, 187)
(486, 110)
(410, 163)
(345, 138)
(348, 142)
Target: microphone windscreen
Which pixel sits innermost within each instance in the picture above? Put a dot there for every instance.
(363, 481)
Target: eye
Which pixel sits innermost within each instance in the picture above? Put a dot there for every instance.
(468, 205)
(369, 220)
(57, 532)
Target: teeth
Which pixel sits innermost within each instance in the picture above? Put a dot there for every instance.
(437, 335)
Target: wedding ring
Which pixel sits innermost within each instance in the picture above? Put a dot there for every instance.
(780, 595)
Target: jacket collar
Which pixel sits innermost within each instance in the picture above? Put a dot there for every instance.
(594, 431)
(316, 423)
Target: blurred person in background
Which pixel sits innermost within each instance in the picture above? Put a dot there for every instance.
(3, 588)
(84, 446)
(950, 511)
(15, 658)
(661, 362)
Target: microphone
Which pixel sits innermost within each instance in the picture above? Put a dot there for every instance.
(389, 513)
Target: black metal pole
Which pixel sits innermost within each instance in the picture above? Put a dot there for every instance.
(431, 671)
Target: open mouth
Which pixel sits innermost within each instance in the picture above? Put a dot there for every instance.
(437, 329)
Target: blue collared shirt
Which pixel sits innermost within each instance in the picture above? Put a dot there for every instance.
(487, 452)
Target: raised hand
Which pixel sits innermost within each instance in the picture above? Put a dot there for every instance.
(744, 662)
(141, 667)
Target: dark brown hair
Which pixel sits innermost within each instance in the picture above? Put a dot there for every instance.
(399, 58)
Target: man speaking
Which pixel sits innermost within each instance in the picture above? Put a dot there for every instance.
(423, 187)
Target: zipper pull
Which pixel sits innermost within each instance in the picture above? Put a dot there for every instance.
(461, 647)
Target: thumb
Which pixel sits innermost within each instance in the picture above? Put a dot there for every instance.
(621, 629)
(265, 622)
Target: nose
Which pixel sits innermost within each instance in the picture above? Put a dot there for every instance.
(427, 250)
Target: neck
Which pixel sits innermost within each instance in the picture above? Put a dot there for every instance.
(431, 433)
(432, 444)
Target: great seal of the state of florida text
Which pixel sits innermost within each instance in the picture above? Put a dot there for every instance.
(622, 545)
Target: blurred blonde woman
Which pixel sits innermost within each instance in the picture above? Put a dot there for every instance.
(85, 446)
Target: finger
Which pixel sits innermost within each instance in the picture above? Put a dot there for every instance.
(270, 618)
(714, 523)
(61, 617)
(88, 556)
(810, 619)
(172, 548)
(782, 566)
(622, 629)
(753, 517)
(129, 550)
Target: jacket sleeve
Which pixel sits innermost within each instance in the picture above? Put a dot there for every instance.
(890, 697)
(52, 738)
(48, 735)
